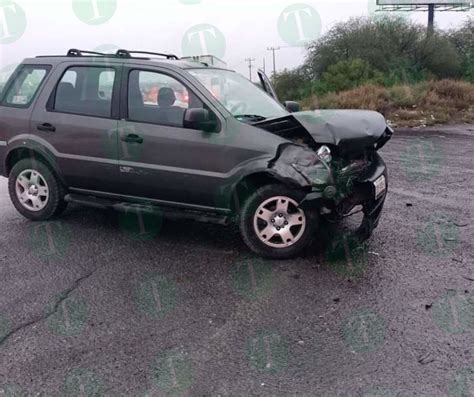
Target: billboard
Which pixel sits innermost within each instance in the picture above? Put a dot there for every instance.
(424, 2)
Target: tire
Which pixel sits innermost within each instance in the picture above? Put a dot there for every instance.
(49, 198)
(269, 201)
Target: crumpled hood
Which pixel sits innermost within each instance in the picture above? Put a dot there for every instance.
(350, 130)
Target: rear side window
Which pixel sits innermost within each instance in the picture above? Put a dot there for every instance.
(5, 74)
(25, 85)
(86, 91)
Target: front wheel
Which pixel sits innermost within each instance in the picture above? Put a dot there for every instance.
(274, 226)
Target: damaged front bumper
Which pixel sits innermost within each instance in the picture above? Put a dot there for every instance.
(336, 203)
(337, 186)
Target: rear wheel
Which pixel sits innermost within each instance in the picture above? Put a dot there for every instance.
(35, 191)
(274, 226)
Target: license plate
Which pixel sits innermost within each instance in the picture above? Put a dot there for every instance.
(380, 186)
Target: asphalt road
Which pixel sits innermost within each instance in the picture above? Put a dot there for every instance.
(97, 303)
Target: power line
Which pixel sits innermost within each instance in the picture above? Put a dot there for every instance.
(250, 61)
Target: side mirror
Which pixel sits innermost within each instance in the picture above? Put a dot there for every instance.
(199, 119)
(292, 106)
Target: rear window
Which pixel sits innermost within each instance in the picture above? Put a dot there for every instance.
(86, 91)
(25, 85)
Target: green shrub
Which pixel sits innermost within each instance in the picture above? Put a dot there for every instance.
(349, 74)
(402, 96)
(291, 85)
(463, 41)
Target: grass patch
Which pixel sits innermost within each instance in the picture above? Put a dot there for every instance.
(427, 103)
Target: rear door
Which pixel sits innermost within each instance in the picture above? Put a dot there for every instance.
(16, 106)
(76, 120)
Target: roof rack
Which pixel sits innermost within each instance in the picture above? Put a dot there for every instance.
(128, 54)
(206, 60)
(73, 52)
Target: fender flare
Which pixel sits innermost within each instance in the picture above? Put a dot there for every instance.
(252, 177)
(34, 150)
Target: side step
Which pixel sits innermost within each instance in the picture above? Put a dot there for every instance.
(166, 212)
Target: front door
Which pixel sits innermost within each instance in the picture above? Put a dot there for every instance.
(159, 158)
(267, 85)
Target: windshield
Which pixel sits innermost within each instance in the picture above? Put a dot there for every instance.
(239, 96)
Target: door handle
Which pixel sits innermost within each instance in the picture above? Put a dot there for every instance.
(46, 127)
(132, 138)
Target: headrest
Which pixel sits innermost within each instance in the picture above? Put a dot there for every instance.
(66, 89)
(166, 97)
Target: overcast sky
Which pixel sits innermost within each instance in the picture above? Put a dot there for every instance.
(232, 29)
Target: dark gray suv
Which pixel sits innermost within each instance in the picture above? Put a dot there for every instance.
(150, 132)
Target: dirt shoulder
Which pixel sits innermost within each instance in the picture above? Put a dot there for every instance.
(453, 129)
(410, 105)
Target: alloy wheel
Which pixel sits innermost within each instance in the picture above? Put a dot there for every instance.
(279, 222)
(32, 190)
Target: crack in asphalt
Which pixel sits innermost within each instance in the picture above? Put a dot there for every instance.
(63, 296)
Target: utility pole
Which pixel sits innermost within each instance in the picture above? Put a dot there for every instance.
(431, 12)
(274, 49)
(250, 60)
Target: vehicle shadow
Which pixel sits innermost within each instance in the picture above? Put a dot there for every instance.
(149, 228)
(335, 244)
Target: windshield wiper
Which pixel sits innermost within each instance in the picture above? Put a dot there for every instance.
(250, 117)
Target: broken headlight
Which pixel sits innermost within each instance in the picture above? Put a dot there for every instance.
(324, 153)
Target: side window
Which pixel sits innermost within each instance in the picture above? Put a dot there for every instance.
(5, 74)
(25, 86)
(106, 84)
(86, 90)
(70, 77)
(158, 98)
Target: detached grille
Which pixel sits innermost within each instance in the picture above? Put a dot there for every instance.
(355, 167)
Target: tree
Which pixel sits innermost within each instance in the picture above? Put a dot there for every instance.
(463, 41)
(391, 45)
(383, 51)
(291, 84)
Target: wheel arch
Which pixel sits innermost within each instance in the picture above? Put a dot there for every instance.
(20, 153)
(249, 183)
